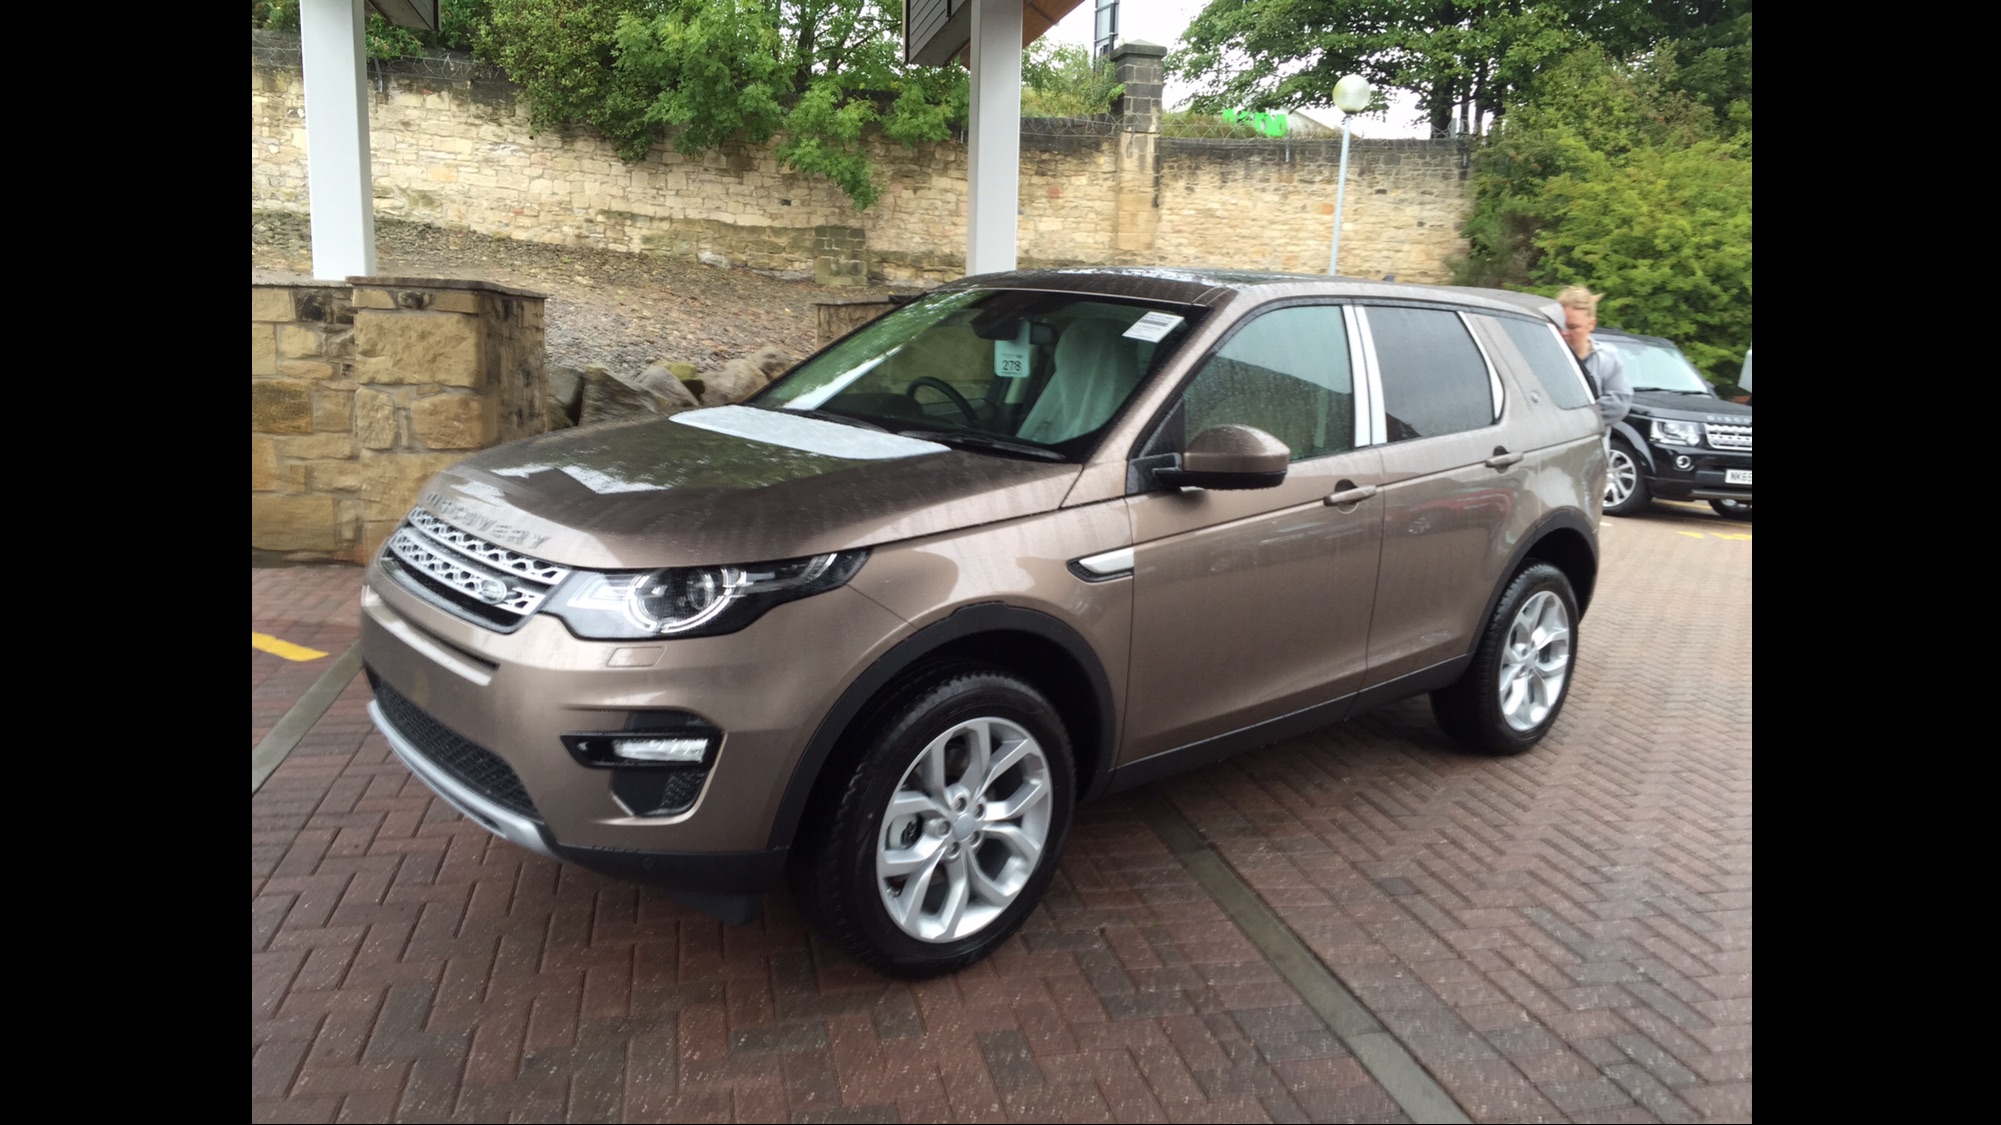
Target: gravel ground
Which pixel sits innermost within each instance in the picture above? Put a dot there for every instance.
(622, 311)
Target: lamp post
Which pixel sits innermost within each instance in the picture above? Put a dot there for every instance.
(1351, 96)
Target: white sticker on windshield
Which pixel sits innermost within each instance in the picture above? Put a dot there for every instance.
(1153, 326)
(1011, 357)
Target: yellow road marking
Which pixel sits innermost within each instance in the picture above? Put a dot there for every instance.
(1723, 535)
(286, 649)
(1692, 534)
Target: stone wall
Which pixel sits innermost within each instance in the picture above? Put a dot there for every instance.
(360, 392)
(1274, 204)
(452, 147)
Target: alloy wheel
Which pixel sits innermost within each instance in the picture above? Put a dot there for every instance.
(965, 829)
(1535, 662)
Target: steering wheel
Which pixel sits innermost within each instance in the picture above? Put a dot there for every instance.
(951, 392)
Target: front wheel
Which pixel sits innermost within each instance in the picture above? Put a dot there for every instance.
(1625, 486)
(945, 837)
(1520, 675)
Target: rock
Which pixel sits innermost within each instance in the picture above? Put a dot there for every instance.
(664, 383)
(609, 397)
(566, 390)
(772, 361)
(734, 381)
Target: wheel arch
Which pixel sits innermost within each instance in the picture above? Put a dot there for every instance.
(1033, 645)
(1566, 541)
(1624, 431)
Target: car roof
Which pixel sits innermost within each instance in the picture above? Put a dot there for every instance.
(1205, 286)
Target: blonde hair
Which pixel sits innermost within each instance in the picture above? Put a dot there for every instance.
(1578, 297)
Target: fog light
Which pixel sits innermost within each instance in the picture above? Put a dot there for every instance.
(1682, 462)
(688, 750)
(651, 741)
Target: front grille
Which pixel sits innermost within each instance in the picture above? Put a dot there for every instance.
(1722, 436)
(468, 576)
(471, 764)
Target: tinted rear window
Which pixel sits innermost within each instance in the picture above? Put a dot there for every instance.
(1551, 360)
(1434, 378)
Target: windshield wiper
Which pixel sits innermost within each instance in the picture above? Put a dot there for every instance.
(963, 439)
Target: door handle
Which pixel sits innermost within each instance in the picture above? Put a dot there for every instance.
(1352, 495)
(1502, 458)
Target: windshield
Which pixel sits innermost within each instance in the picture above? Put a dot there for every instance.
(992, 369)
(1652, 367)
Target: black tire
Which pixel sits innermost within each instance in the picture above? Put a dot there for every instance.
(1507, 701)
(968, 857)
(1625, 481)
(1732, 509)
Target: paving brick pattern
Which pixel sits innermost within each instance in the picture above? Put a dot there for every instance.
(314, 606)
(1566, 933)
(1559, 936)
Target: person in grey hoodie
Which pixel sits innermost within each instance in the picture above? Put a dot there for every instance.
(1602, 365)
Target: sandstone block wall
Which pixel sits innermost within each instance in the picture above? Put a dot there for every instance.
(452, 146)
(360, 392)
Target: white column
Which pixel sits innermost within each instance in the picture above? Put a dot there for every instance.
(993, 151)
(337, 171)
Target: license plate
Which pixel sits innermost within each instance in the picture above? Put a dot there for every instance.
(1736, 476)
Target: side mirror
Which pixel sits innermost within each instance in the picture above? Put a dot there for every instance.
(1228, 457)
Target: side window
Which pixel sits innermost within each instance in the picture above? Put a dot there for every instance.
(1287, 373)
(1434, 379)
(1550, 358)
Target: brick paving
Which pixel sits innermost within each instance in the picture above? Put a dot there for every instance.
(1559, 936)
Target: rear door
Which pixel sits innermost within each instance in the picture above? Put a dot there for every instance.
(1451, 482)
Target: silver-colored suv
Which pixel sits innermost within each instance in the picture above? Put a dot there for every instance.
(1031, 538)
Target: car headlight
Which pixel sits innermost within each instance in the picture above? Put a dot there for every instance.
(694, 601)
(1669, 432)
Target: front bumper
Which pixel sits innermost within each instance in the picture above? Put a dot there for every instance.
(1705, 476)
(725, 885)
(480, 717)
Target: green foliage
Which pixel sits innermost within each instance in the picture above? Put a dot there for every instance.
(562, 54)
(1063, 80)
(1666, 236)
(1282, 54)
(815, 74)
(1632, 180)
(1188, 123)
(457, 22)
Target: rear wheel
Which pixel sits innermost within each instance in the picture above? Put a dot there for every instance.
(946, 835)
(1732, 509)
(1520, 675)
(1625, 489)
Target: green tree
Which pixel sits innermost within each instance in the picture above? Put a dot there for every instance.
(1627, 178)
(1063, 80)
(815, 74)
(1457, 58)
(1469, 59)
(458, 23)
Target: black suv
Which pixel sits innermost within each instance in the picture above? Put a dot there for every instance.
(1681, 441)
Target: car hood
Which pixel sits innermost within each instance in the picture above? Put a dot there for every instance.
(1692, 408)
(731, 484)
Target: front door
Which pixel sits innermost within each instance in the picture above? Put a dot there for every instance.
(1252, 604)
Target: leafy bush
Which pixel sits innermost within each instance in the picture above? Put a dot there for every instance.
(1622, 178)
